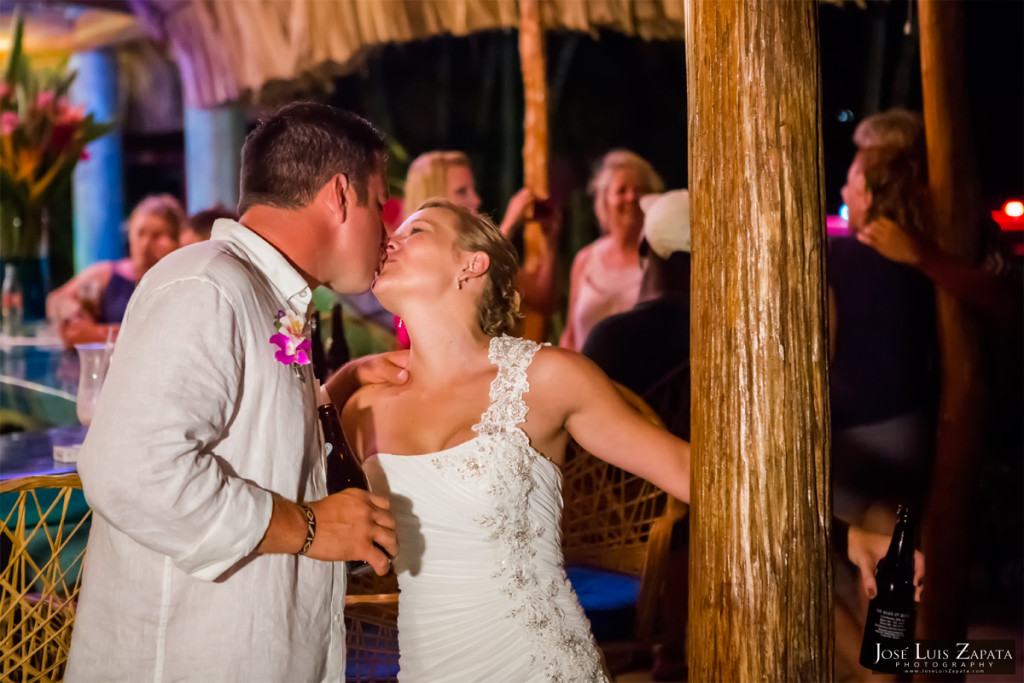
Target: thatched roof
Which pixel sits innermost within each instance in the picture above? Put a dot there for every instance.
(226, 50)
(59, 30)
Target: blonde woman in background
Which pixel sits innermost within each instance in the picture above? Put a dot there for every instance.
(90, 306)
(448, 175)
(606, 274)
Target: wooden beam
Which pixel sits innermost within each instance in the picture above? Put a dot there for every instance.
(760, 587)
(955, 192)
(535, 158)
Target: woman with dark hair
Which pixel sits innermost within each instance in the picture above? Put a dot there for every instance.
(473, 464)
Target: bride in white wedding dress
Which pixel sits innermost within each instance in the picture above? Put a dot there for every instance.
(469, 451)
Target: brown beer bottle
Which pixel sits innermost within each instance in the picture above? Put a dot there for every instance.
(889, 630)
(343, 468)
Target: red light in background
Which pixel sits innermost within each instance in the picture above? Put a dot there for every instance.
(1011, 217)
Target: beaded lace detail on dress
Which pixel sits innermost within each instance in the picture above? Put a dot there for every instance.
(503, 461)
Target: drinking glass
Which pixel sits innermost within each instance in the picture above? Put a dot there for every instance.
(93, 361)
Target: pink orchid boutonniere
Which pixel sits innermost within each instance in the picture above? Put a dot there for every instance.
(293, 347)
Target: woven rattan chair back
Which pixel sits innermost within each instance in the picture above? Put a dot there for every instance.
(371, 622)
(42, 552)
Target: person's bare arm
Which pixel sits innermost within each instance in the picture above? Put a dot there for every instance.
(604, 424)
(535, 280)
(381, 368)
(515, 211)
(73, 315)
(83, 330)
(973, 285)
(65, 302)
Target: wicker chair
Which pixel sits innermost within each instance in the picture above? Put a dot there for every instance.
(619, 524)
(371, 621)
(45, 527)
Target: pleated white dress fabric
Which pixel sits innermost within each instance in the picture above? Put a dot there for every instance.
(484, 595)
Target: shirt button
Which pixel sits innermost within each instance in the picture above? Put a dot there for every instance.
(337, 618)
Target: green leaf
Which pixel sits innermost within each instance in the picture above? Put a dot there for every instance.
(15, 56)
(61, 90)
(12, 189)
(397, 151)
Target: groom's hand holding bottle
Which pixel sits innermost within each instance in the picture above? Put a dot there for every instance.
(352, 524)
(344, 526)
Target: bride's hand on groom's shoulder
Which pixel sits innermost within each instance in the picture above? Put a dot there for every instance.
(382, 368)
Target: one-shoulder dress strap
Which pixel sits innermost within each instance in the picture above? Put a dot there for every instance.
(513, 356)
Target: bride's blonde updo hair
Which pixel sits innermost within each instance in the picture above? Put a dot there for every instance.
(498, 310)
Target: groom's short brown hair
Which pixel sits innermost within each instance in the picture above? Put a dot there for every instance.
(295, 152)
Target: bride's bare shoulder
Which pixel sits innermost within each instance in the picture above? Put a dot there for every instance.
(554, 359)
(560, 370)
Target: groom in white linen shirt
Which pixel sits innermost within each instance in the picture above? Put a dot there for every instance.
(214, 550)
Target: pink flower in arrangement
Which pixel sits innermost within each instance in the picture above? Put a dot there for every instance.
(8, 122)
(44, 100)
(70, 115)
(293, 348)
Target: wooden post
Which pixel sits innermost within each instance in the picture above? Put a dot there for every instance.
(955, 193)
(760, 587)
(535, 154)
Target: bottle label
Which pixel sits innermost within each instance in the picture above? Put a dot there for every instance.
(887, 637)
(11, 300)
(892, 624)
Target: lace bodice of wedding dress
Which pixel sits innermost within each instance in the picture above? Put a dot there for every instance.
(484, 596)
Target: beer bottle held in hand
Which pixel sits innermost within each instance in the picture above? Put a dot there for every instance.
(343, 468)
(889, 631)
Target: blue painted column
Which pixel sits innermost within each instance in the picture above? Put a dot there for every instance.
(98, 193)
(213, 145)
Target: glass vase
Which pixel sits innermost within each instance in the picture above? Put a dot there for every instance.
(22, 243)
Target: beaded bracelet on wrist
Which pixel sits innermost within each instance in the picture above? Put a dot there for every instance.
(310, 528)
